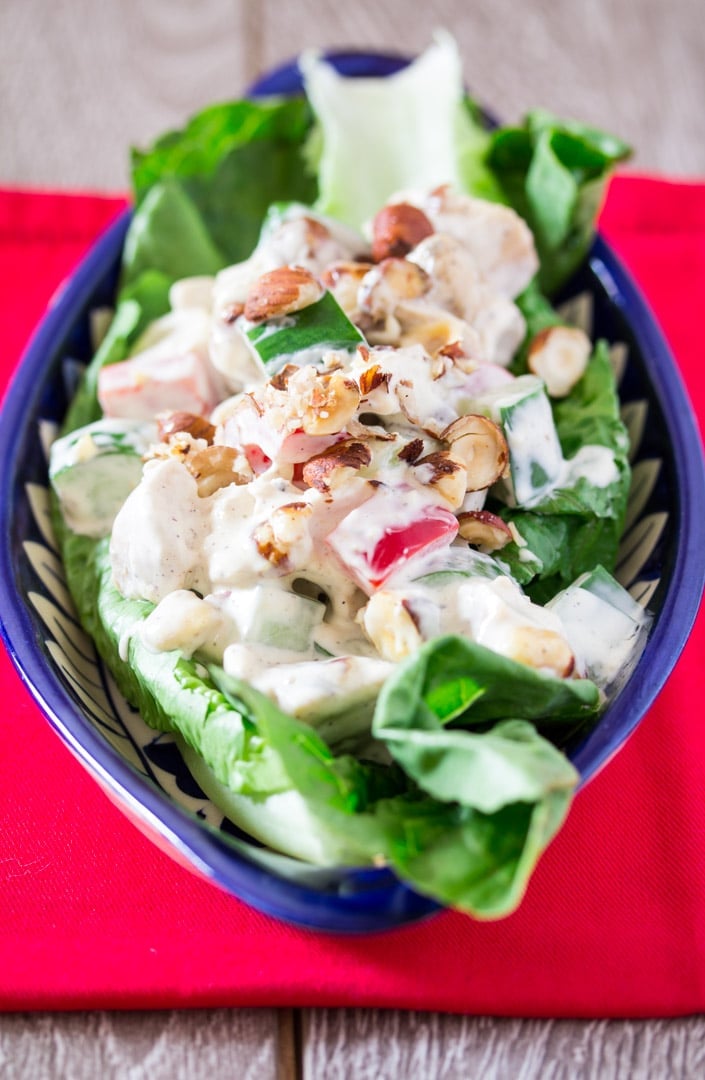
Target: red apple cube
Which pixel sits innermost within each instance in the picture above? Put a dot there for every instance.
(142, 386)
(388, 530)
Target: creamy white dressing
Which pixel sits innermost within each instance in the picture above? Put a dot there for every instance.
(273, 577)
(603, 631)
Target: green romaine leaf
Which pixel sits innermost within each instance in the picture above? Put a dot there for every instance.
(167, 235)
(232, 161)
(452, 679)
(574, 529)
(477, 861)
(554, 172)
(480, 863)
(169, 691)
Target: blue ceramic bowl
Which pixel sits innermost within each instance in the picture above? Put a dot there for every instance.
(143, 771)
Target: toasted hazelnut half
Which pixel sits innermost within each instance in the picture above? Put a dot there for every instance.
(390, 626)
(321, 471)
(443, 472)
(397, 229)
(216, 467)
(542, 649)
(559, 356)
(285, 530)
(281, 292)
(343, 279)
(389, 283)
(484, 529)
(480, 444)
(197, 427)
(331, 403)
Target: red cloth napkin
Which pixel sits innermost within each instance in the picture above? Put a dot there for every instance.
(93, 916)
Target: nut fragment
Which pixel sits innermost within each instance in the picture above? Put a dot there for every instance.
(390, 625)
(281, 292)
(559, 356)
(320, 471)
(445, 474)
(385, 286)
(284, 533)
(280, 380)
(343, 279)
(197, 427)
(371, 379)
(324, 402)
(216, 467)
(484, 529)
(230, 313)
(412, 451)
(397, 229)
(542, 649)
(480, 444)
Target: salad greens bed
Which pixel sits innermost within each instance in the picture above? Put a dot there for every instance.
(477, 786)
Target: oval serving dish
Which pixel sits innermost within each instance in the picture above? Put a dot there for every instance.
(142, 770)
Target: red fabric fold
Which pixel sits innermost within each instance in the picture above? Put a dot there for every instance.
(613, 924)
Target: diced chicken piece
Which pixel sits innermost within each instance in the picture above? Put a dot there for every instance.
(234, 358)
(454, 277)
(436, 330)
(457, 285)
(301, 239)
(311, 243)
(500, 325)
(165, 507)
(182, 620)
(498, 615)
(178, 331)
(429, 394)
(499, 240)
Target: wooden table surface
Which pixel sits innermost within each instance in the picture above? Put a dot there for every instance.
(79, 82)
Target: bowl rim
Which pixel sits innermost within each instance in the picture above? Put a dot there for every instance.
(205, 851)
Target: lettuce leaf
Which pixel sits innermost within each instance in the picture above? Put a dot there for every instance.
(575, 529)
(472, 844)
(554, 173)
(232, 161)
(167, 235)
(467, 833)
(381, 135)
